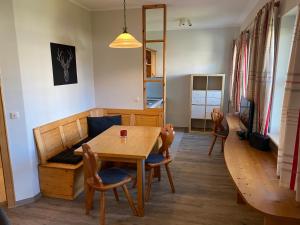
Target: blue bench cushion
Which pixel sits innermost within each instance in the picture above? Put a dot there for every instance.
(112, 175)
(96, 125)
(155, 158)
(67, 156)
(77, 145)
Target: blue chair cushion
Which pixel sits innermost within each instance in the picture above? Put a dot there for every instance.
(112, 175)
(155, 158)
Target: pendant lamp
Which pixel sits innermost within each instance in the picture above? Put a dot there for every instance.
(125, 40)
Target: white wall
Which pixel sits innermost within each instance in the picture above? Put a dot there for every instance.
(37, 24)
(118, 72)
(191, 52)
(13, 101)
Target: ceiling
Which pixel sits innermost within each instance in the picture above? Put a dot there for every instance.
(202, 13)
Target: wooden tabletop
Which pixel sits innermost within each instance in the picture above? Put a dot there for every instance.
(254, 174)
(137, 145)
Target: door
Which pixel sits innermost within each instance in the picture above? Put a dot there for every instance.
(2, 183)
(7, 195)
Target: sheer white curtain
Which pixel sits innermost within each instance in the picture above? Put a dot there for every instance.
(288, 154)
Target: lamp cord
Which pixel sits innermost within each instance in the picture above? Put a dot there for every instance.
(125, 25)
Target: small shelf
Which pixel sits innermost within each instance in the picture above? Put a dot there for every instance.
(199, 83)
(207, 93)
(215, 83)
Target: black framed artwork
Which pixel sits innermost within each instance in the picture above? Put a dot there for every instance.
(63, 64)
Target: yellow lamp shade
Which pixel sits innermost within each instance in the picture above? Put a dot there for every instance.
(125, 40)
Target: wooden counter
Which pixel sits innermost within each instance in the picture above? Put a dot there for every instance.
(254, 174)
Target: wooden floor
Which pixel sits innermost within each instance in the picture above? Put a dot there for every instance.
(205, 196)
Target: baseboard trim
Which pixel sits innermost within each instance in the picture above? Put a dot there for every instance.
(28, 200)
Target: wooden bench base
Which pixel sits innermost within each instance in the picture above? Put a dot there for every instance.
(63, 181)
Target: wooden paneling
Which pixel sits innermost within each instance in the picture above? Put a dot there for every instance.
(254, 174)
(150, 121)
(71, 132)
(53, 142)
(84, 127)
(60, 182)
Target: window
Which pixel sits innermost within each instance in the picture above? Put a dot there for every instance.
(284, 51)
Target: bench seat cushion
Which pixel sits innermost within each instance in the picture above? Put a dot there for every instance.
(78, 145)
(96, 125)
(67, 156)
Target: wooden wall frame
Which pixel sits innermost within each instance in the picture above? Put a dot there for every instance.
(163, 41)
(4, 151)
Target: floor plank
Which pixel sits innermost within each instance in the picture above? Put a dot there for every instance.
(205, 195)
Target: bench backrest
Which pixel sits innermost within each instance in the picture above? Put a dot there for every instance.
(54, 137)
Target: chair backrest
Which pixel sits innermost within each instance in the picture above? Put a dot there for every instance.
(167, 136)
(90, 166)
(217, 117)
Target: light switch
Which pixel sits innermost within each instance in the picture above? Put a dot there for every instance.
(14, 115)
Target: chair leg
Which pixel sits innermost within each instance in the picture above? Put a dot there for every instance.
(159, 173)
(102, 208)
(130, 200)
(89, 197)
(223, 140)
(170, 178)
(150, 178)
(134, 182)
(116, 194)
(212, 145)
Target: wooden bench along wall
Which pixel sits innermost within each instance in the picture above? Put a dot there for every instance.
(65, 181)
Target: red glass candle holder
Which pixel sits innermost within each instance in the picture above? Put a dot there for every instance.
(123, 133)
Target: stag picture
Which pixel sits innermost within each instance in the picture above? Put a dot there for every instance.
(64, 64)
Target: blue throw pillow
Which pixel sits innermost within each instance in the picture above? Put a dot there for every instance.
(96, 125)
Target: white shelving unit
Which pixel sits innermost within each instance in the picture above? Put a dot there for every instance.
(207, 93)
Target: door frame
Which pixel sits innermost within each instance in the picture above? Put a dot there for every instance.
(4, 151)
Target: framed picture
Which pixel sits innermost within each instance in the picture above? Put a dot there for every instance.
(63, 64)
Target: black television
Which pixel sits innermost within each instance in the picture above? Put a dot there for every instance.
(246, 116)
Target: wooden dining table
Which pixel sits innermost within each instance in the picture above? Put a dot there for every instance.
(134, 148)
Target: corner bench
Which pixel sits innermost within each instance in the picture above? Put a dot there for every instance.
(60, 180)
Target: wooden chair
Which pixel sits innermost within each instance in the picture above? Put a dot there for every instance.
(218, 128)
(3, 218)
(156, 160)
(107, 179)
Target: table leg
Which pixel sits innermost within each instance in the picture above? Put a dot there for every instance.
(239, 198)
(140, 186)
